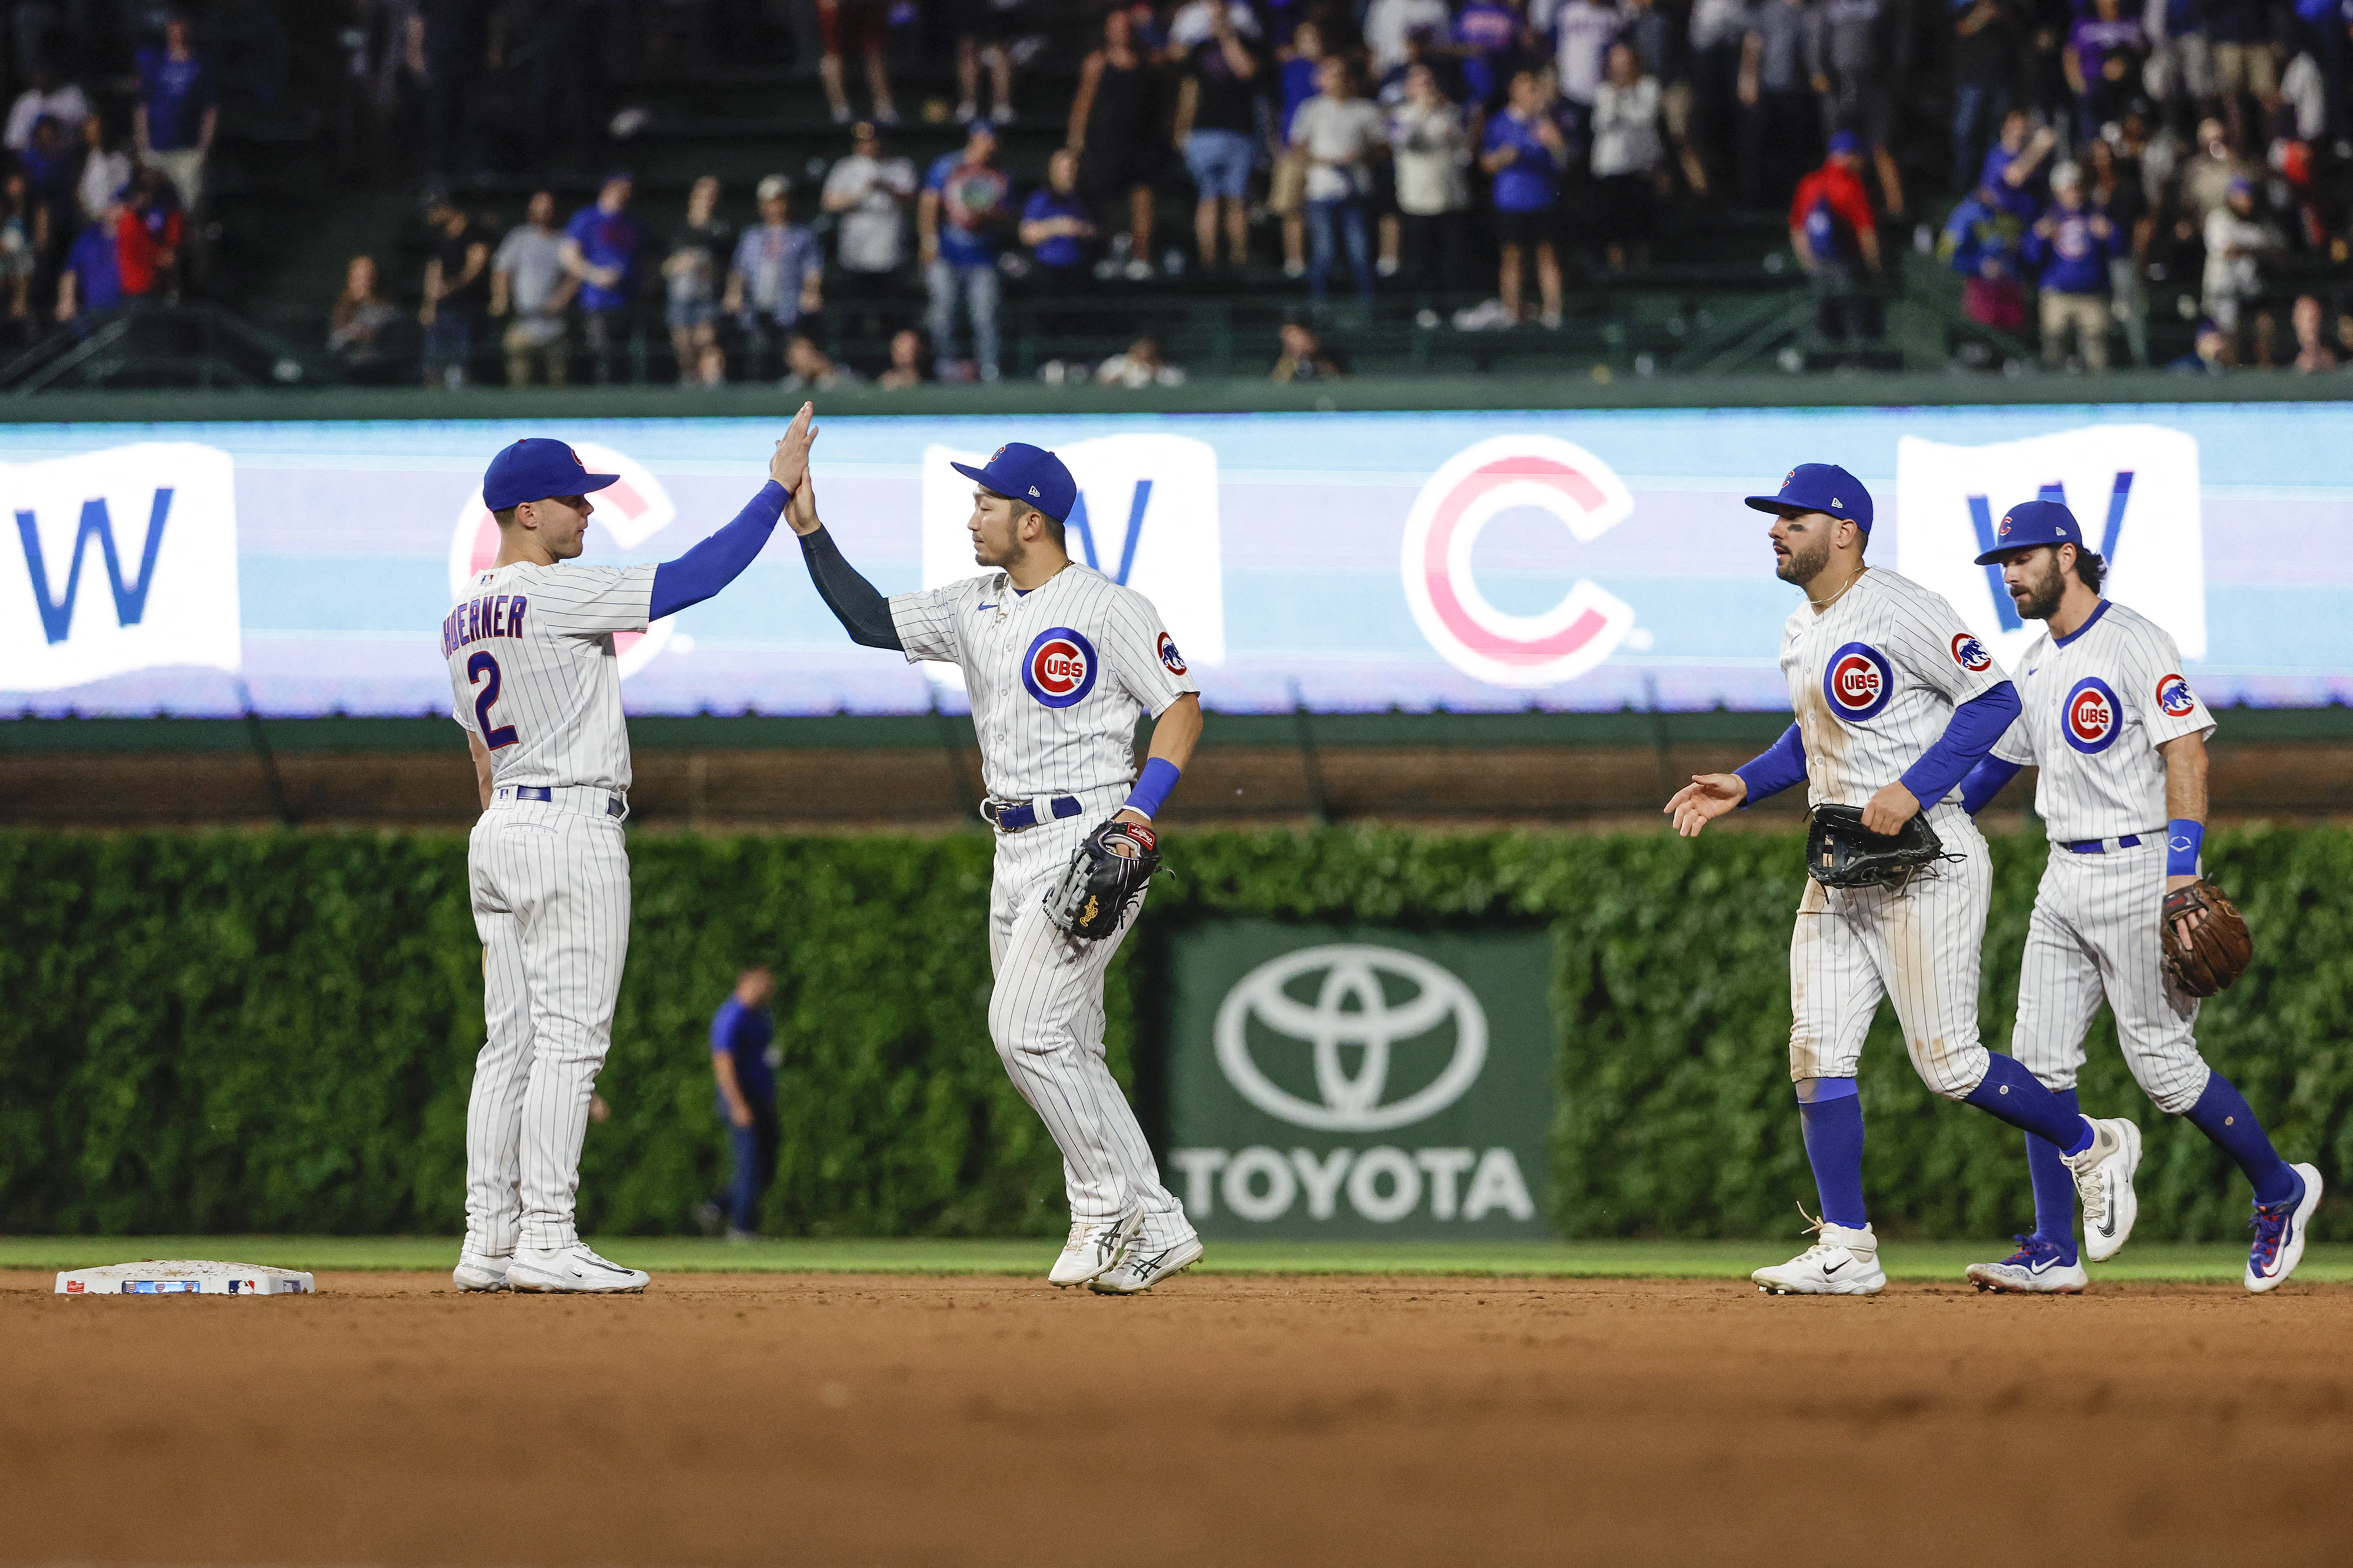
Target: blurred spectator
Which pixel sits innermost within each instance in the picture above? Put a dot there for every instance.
(1662, 50)
(457, 291)
(1491, 36)
(105, 166)
(2240, 34)
(2013, 164)
(2181, 64)
(2314, 355)
(91, 279)
(1338, 131)
(53, 179)
(600, 249)
(357, 332)
(177, 114)
(1115, 129)
(906, 362)
(1433, 149)
(1837, 240)
(2206, 178)
(150, 236)
(1718, 39)
(1304, 357)
(868, 194)
(2236, 241)
(1582, 32)
(1140, 366)
(2069, 247)
(1216, 121)
(1525, 154)
(744, 1095)
(530, 290)
(807, 368)
(66, 105)
(1778, 117)
(1980, 242)
(2105, 51)
(1194, 24)
(1629, 154)
(2114, 187)
(961, 207)
(776, 277)
(2211, 356)
(986, 30)
(862, 27)
(16, 258)
(1985, 58)
(1854, 73)
(1287, 190)
(690, 286)
(1390, 23)
(1060, 230)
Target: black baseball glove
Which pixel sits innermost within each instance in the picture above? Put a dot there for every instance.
(1840, 852)
(1109, 871)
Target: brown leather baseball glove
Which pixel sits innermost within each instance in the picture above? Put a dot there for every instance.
(2207, 959)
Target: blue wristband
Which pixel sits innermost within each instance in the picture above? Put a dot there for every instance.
(1151, 786)
(2183, 839)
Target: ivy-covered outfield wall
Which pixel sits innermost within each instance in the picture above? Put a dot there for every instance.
(233, 1032)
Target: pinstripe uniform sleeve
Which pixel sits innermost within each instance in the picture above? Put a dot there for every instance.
(2017, 743)
(2167, 707)
(929, 623)
(1144, 660)
(1927, 637)
(591, 601)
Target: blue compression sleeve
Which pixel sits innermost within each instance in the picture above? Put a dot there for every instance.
(1151, 786)
(1975, 725)
(1985, 781)
(720, 559)
(1774, 769)
(2183, 839)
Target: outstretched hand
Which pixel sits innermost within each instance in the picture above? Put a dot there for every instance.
(1706, 797)
(789, 466)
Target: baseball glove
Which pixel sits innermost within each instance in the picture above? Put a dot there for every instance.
(1840, 852)
(1109, 870)
(2208, 959)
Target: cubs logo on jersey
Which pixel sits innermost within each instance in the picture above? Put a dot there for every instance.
(1970, 654)
(1059, 668)
(1169, 657)
(2091, 717)
(1858, 682)
(2174, 696)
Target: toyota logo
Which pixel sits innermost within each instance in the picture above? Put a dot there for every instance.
(1350, 1015)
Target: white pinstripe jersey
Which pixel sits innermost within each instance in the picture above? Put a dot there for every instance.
(1875, 680)
(1055, 676)
(2097, 705)
(533, 670)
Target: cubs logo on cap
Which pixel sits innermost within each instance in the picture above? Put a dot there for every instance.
(1858, 682)
(2034, 522)
(1059, 668)
(1970, 654)
(1820, 487)
(2090, 716)
(2175, 697)
(536, 469)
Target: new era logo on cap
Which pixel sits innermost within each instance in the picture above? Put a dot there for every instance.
(1033, 491)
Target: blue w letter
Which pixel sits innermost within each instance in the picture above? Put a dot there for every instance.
(130, 600)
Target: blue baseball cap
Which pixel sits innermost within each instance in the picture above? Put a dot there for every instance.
(1845, 141)
(534, 468)
(1820, 487)
(2031, 523)
(1031, 475)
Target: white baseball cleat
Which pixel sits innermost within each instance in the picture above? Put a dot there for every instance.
(2279, 1234)
(1842, 1262)
(479, 1272)
(2104, 1182)
(1144, 1265)
(2039, 1267)
(571, 1268)
(1095, 1246)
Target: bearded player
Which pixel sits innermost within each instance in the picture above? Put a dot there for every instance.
(1058, 660)
(1895, 702)
(2121, 742)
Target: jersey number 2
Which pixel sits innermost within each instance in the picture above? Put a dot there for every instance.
(480, 665)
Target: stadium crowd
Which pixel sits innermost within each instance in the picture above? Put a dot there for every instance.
(2078, 164)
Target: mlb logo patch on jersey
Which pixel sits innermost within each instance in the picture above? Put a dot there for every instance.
(2091, 718)
(1172, 658)
(1059, 668)
(2174, 696)
(1970, 654)
(1858, 682)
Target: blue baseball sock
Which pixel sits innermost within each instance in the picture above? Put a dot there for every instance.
(2054, 1184)
(2018, 1097)
(1832, 1114)
(2223, 1114)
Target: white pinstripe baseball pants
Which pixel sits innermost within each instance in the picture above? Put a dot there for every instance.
(2096, 934)
(1046, 1015)
(551, 896)
(1919, 945)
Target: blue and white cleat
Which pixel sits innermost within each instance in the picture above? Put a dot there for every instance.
(2279, 1234)
(2040, 1267)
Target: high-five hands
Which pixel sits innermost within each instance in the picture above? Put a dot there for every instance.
(789, 466)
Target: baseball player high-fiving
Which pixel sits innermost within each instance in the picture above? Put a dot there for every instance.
(1057, 660)
(2120, 740)
(1895, 702)
(538, 690)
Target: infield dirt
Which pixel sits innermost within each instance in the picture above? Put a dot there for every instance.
(864, 1419)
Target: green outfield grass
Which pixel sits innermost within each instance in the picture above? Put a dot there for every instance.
(2325, 1263)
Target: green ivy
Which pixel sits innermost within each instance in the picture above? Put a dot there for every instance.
(228, 1031)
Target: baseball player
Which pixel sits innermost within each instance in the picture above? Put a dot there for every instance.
(1895, 702)
(1057, 660)
(532, 665)
(2121, 742)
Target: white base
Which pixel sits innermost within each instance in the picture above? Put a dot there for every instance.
(188, 1276)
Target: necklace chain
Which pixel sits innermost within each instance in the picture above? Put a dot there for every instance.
(1820, 604)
